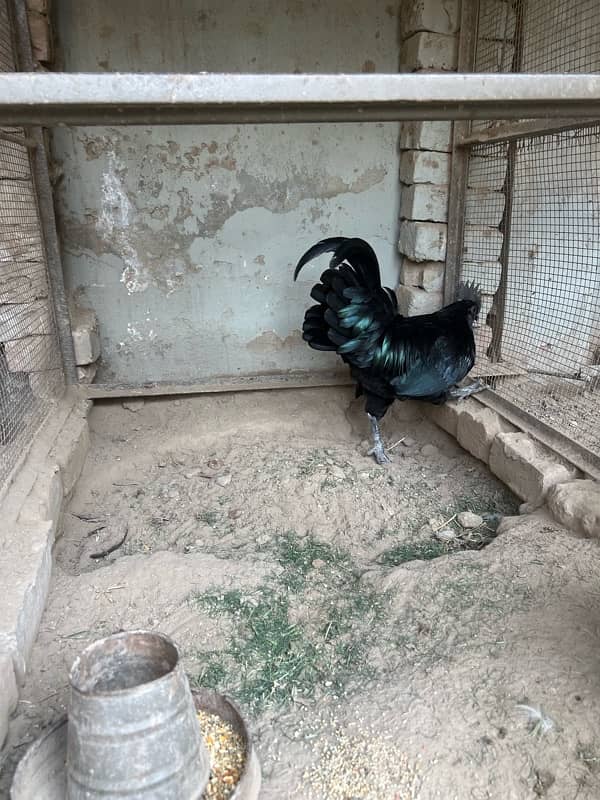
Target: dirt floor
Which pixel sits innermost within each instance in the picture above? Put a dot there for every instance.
(380, 651)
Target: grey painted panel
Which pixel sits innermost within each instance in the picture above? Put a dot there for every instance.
(183, 239)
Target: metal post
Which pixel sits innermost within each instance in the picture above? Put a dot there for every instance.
(459, 165)
(495, 318)
(45, 201)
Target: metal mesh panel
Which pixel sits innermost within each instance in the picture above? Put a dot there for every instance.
(532, 227)
(31, 374)
(550, 36)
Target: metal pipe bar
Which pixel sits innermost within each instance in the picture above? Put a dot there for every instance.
(45, 201)
(124, 99)
(512, 131)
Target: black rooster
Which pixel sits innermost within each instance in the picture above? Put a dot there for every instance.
(390, 356)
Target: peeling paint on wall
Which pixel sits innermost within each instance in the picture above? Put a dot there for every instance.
(183, 239)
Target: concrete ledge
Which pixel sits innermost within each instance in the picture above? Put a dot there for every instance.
(25, 570)
(30, 510)
(478, 427)
(576, 505)
(9, 694)
(535, 474)
(527, 468)
(71, 448)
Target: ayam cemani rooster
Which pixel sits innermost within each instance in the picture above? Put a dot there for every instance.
(390, 356)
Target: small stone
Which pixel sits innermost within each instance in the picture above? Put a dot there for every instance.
(338, 473)
(364, 476)
(224, 480)
(162, 464)
(235, 513)
(318, 563)
(409, 441)
(214, 463)
(133, 405)
(429, 450)
(447, 535)
(365, 444)
(466, 519)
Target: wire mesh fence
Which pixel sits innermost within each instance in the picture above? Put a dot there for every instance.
(538, 36)
(532, 227)
(31, 375)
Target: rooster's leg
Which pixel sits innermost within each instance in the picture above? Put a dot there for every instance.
(459, 393)
(378, 449)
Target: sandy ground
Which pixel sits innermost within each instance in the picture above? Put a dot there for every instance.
(311, 585)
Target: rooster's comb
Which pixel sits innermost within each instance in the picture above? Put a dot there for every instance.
(469, 291)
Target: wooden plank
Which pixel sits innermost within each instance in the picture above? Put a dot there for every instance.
(249, 383)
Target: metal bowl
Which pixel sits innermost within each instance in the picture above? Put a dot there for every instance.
(248, 786)
(42, 774)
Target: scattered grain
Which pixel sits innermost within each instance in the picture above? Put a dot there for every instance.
(227, 753)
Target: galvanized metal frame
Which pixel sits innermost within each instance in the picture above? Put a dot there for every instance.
(41, 177)
(153, 99)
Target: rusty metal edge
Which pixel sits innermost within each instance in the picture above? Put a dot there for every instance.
(585, 460)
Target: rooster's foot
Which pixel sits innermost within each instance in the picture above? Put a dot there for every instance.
(378, 450)
(459, 393)
(381, 457)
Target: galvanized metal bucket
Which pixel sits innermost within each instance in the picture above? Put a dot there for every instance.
(132, 729)
(42, 772)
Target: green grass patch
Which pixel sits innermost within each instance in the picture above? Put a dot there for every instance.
(301, 629)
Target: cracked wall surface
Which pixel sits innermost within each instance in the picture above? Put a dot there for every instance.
(183, 238)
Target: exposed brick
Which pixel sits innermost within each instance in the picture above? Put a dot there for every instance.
(482, 201)
(576, 505)
(426, 135)
(424, 166)
(428, 275)
(445, 416)
(25, 319)
(429, 51)
(70, 450)
(31, 354)
(86, 340)
(423, 241)
(481, 243)
(429, 15)
(526, 468)
(478, 427)
(424, 201)
(413, 301)
(486, 173)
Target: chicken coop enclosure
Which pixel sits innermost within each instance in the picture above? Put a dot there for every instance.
(179, 215)
(530, 222)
